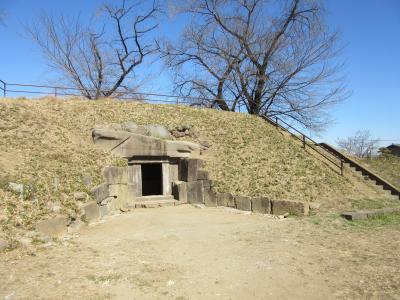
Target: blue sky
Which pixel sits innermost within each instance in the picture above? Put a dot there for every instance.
(370, 32)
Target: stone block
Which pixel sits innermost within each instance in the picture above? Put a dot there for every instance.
(188, 169)
(120, 194)
(225, 199)
(203, 175)
(103, 210)
(3, 245)
(179, 191)
(281, 207)
(355, 215)
(158, 131)
(81, 196)
(210, 198)
(243, 203)
(101, 192)
(173, 172)
(261, 205)
(195, 192)
(92, 211)
(75, 226)
(115, 175)
(134, 181)
(55, 227)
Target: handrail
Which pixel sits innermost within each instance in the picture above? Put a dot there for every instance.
(304, 141)
(123, 92)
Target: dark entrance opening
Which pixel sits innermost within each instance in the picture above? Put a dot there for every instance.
(151, 179)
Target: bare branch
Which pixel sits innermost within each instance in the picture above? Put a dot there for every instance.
(98, 63)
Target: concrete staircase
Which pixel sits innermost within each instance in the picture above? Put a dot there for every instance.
(368, 174)
(333, 156)
(155, 201)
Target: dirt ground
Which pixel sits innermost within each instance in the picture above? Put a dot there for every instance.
(212, 253)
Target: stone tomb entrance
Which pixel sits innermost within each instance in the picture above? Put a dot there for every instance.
(158, 171)
(151, 179)
(151, 176)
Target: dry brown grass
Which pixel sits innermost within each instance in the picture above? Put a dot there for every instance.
(47, 145)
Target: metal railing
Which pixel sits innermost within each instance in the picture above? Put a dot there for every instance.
(12, 89)
(307, 141)
(9, 89)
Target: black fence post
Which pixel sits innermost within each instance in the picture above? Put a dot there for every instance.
(341, 167)
(4, 88)
(304, 141)
(276, 121)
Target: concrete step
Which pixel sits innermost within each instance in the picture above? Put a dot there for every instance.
(154, 198)
(154, 201)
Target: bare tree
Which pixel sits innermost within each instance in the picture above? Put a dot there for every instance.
(277, 58)
(100, 63)
(361, 144)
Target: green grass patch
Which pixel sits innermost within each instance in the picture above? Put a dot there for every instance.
(379, 221)
(104, 278)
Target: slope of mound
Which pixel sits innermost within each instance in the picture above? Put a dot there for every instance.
(47, 146)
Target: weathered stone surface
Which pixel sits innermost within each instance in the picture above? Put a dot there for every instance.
(280, 207)
(81, 196)
(120, 194)
(195, 192)
(3, 245)
(55, 227)
(75, 226)
(166, 182)
(116, 175)
(188, 169)
(106, 201)
(261, 205)
(173, 172)
(118, 190)
(134, 181)
(92, 212)
(128, 145)
(179, 191)
(225, 199)
(354, 215)
(203, 175)
(101, 192)
(210, 197)
(365, 214)
(108, 139)
(103, 210)
(158, 131)
(243, 203)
